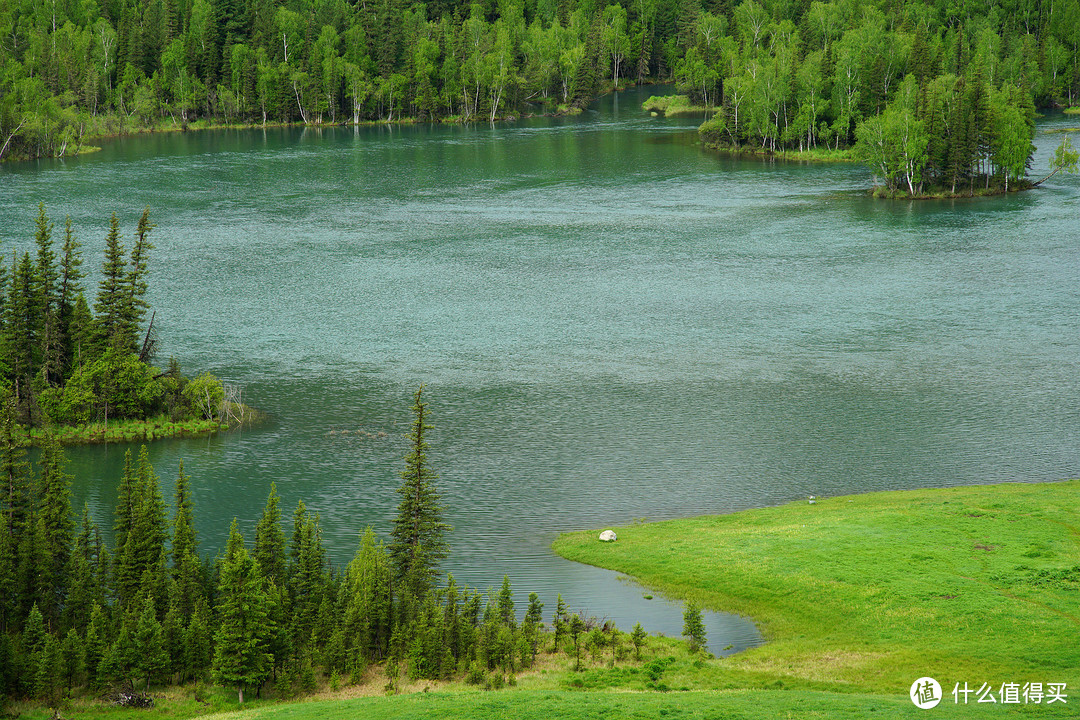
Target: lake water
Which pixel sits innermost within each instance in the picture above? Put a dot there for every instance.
(612, 324)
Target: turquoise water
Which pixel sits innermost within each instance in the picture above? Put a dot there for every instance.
(611, 322)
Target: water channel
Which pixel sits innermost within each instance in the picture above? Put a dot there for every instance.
(612, 324)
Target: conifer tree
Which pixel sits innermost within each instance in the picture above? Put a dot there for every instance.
(241, 658)
(97, 642)
(54, 493)
(270, 541)
(141, 560)
(559, 622)
(575, 627)
(112, 309)
(693, 627)
(22, 332)
(637, 637)
(82, 584)
(366, 591)
(418, 542)
(150, 657)
(136, 277)
(70, 291)
(46, 305)
(187, 570)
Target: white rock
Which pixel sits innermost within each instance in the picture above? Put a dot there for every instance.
(607, 536)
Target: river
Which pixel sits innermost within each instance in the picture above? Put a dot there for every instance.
(612, 324)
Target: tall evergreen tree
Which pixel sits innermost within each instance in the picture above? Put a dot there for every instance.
(241, 658)
(270, 541)
(367, 602)
(137, 274)
(54, 514)
(187, 571)
(70, 290)
(418, 542)
(112, 309)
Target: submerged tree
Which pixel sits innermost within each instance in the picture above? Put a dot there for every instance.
(418, 542)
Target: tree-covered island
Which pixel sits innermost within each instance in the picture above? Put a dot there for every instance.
(85, 373)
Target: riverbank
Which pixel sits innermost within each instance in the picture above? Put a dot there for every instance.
(858, 595)
(148, 430)
(867, 593)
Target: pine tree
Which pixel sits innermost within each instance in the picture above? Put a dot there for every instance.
(506, 603)
(69, 292)
(23, 332)
(559, 622)
(112, 310)
(54, 513)
(240, 647)
(82, 582)
(367, 600)
(136, 277)
(150, 659)
(46, 305)
(418, 544)
(97, 642)
(575, 627)
(693, 627)
(187, 569)
(270, 541)
(637, 637)
(141, 559)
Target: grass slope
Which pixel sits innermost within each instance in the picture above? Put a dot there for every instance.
(869, 592)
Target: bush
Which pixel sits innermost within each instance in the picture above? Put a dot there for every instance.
(712, 131)
(204, 396)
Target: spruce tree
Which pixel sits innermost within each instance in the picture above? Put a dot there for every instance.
(141, 560)
(112, 309)
(270, 541)
(367, 601)
(150, 659)
(693, 627)
(136, 277)
(54, 513)
(187, 569)
(418, 542)
(637, 637)
(22, 332)
(70, 291)
(241, 658)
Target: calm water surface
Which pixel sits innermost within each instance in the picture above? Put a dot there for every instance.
(612, 324)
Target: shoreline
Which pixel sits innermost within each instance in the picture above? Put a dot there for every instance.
(866, 592)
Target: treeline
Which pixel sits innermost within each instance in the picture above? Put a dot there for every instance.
(76, 612)
(788, 73)
(67, 363)
(936, 98)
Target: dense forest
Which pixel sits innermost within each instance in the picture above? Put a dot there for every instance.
(77, 612)
(65, 362)
(785, 73)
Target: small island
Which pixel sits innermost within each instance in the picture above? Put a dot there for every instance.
(82, 375)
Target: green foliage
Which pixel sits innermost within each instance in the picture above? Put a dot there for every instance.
(418, 536)
(693, 627)
(241, 654)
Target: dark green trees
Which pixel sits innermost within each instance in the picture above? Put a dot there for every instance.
(418, 542)
(241, 645)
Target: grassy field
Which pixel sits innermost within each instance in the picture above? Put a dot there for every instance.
(858, 597)
(869, 592)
